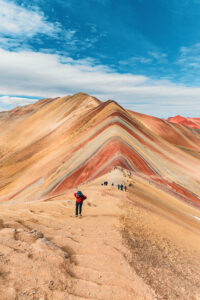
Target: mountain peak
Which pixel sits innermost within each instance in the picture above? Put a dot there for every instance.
(76, 138)
(189, 122)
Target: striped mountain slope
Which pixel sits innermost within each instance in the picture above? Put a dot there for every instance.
(191, 122)
(56, 144)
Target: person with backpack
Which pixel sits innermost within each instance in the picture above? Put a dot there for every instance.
(79, 202)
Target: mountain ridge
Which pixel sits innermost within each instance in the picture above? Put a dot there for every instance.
(141, 243)
(190, 122)
(74, 139)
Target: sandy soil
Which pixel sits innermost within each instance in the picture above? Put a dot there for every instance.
(164, 254)
(118, 250)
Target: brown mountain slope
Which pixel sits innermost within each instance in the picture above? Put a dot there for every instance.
(190, 122)
(139, 244)
(70, 140)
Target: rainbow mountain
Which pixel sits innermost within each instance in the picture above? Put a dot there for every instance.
(56, 144)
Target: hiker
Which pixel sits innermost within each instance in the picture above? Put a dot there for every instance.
(119, 187)
(112, 184)
(105, 183)
(122, 187)
(125, 188)
(79, 202)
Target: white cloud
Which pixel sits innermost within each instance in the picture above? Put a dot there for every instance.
(17, 20)
(46, 75)
(11, 100)
(19, 24)
(8, 42)
(69, 34)
(159, 57)
(189, 57)
(135, 59)
(93, 28)
(152, 56)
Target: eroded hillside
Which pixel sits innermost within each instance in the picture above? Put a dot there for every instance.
(138, 244)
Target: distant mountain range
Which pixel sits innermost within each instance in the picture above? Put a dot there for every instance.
(191, 122)
(57, 144)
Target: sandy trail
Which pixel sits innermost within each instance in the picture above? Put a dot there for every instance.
(118, 250)
(80, 258)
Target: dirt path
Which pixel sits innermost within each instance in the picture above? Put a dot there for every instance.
(62, 257)
(119, 250)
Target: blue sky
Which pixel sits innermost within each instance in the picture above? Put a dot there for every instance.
(144, 54)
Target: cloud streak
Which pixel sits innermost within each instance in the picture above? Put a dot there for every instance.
(190, 57)
(9, 100)
(17, 20)
(49, 75)
(18, 24)
(151, 57)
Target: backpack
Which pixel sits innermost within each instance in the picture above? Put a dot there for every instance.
(79, 193)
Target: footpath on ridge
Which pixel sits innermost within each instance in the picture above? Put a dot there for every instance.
(47, 253)
(118, 250)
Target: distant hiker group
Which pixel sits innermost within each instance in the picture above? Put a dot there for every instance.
(119, 186)
(122, 187)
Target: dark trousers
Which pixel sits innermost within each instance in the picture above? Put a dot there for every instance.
(79, 205)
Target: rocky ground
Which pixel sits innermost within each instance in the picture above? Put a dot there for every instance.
(118, 250)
